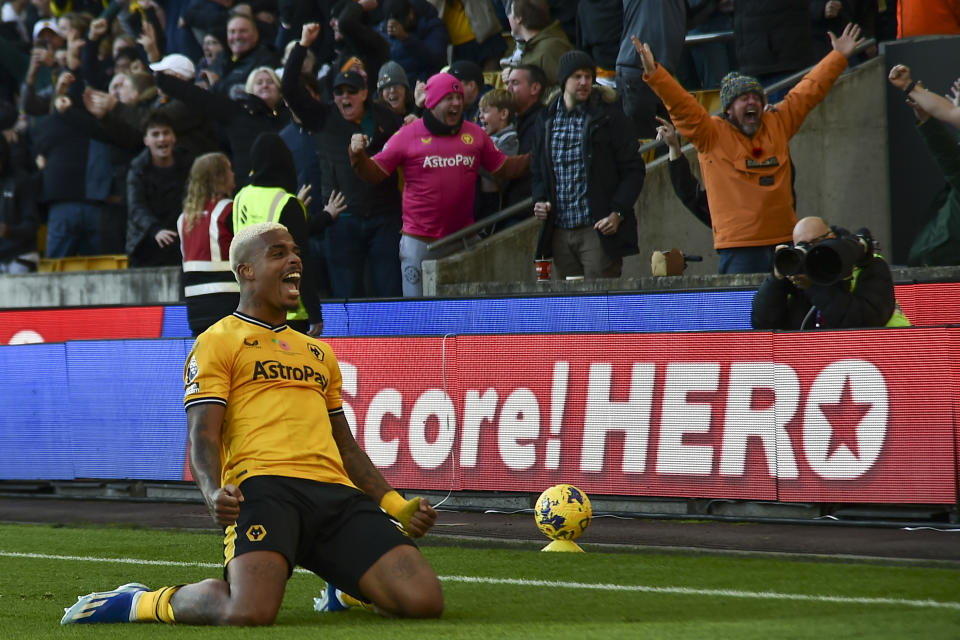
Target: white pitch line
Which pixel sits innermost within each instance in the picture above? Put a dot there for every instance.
(639, 588)
(722, 593)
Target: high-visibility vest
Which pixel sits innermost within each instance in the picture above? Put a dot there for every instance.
(899, 318)
(253, 205)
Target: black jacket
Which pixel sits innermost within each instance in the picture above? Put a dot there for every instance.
(614, 171)
(519, 188)
(599, 27)
(781, 305)
(154, 200)
(18, 210)
(65, 149)
(772, 36)
(333, 142)
(236, 71)
(860, 12)
(240, 121)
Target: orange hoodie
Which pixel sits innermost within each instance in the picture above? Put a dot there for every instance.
(927, 17)
(748, 180)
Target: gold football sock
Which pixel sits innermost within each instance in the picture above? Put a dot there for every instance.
(154, 606)
(350, 601)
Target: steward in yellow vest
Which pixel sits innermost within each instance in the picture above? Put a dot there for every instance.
(270, 198)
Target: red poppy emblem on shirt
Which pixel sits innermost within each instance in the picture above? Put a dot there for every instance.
(757, 152)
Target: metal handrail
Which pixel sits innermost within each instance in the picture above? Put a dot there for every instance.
(468, 232)
(707, 38)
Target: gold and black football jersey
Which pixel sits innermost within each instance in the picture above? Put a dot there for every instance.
(280, 388)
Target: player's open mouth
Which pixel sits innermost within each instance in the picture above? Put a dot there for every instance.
(292, 282)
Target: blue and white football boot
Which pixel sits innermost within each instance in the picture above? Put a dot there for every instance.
(330, 601)
(119, 605)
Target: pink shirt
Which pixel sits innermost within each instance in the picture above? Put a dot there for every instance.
(440, 175)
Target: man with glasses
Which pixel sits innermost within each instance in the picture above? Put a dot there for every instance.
(862, 298)
(365, 235)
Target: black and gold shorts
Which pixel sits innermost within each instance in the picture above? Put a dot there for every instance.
(333, 530)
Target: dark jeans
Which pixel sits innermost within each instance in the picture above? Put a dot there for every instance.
(746, 260)
(356, 245)
(113, 229)
(73, 229)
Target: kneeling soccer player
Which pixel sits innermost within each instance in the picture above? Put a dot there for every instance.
(278, 467)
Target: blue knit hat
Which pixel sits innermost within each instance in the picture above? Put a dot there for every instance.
(735, 84)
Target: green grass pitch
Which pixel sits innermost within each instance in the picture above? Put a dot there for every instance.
(498, 592)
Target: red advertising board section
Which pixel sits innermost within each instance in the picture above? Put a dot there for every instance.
(60, 325)
(852, 416)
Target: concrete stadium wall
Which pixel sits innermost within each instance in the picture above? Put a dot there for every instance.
(160, 285)
(841, 159)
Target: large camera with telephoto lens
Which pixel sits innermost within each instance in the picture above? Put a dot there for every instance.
(827, 262)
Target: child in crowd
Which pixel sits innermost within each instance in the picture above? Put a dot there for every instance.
(497, 109)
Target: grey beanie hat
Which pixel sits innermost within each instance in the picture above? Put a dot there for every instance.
(391, 73)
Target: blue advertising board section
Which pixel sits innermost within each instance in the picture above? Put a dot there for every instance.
(34, 442)
(99, 409)
(619, 313)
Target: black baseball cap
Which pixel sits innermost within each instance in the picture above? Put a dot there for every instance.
(350, 79)
(466, 70)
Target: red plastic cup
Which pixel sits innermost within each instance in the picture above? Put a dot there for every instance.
(543, 269)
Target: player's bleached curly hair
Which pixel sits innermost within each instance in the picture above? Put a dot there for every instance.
(245, 240)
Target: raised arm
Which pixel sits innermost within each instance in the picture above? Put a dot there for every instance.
(90, 66)
(204, 422)
(513, 167)
(363, 165)
(363, 38)
(312, 112)
(416, 515)
(688, 115)
(937, 106)
(194, 96)
(685, 185)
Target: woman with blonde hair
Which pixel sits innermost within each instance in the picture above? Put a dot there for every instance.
(243, 116)
(205, 231)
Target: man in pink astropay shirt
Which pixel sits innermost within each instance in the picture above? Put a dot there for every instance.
(440, 155)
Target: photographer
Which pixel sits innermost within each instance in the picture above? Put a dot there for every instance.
(829, 279)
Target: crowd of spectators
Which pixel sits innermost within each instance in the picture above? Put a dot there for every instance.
(104, 108)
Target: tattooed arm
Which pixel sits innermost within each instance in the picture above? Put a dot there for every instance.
(204, 421)
(416, 515)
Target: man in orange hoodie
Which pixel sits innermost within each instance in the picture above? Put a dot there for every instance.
(744, 154)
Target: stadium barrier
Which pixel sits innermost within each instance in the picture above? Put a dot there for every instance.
(927, 304)
(827, 417)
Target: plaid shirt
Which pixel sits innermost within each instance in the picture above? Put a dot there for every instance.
(566, 153)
